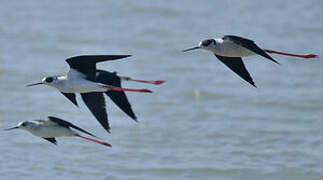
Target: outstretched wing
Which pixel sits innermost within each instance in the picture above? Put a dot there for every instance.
(249, 44)
(96, 103)
(86, 64)
(67, 124)
(118, 97)
(71, 97)
(237, 66)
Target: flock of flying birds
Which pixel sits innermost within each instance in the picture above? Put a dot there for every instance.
(91, 83)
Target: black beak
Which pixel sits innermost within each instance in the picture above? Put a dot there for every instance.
(190, 49)
(12, 128)
(34, 84)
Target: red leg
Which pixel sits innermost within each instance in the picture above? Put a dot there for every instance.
(157, 82)
(94, 140)
(295, 55)
(114, 88)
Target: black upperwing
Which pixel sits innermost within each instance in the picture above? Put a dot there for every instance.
(96, 103)
(67, 124)
(118, 97)
(86, 64)
(71, 97)
(249, 44)
(237, 66)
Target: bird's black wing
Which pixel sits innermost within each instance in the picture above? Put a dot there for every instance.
(237, 66)
(67, 124)
(86, 64)
(118, 97)
(249, 44)
(71, 97)
(96, 103)
(52, 140)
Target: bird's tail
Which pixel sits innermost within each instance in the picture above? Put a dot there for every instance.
(294, 55)
(156, 82)
(114, 88)
(94, 140)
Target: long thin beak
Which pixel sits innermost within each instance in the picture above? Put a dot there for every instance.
(12, 128)
(34, 84)
(190, 49)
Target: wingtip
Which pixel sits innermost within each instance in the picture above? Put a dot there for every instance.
(135, 118)
(125, 56)
(273, 60)
(107, 129)
(253, 84)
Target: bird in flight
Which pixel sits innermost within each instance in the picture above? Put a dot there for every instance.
(55, 127)
(119, 97)
(230, 49)
(84, 78)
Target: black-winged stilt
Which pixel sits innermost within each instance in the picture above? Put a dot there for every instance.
(54, 127)
(230, 49)
(84, 78)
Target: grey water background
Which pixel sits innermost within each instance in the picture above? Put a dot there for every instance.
(204, 123)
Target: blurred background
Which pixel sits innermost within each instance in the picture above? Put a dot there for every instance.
(204, 123)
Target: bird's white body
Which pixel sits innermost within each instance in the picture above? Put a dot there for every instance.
(75, 82)
(47, 129)
(54, 127)
(228, 48)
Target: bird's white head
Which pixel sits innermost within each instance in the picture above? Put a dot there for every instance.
(26, 125)
(49, 81)
(207, 44)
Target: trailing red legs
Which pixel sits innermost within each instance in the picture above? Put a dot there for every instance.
(114, 88)
(94, 140)
(294, 55)
(157, 82)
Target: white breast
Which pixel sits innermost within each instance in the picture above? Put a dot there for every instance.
(51, 131)
(230, 49)
(81, 86)
(76, 82)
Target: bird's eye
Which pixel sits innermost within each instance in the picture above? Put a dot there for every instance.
(24, 124)
(206, 42)
(49, 79)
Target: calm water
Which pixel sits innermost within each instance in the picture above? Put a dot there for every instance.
(204, 123)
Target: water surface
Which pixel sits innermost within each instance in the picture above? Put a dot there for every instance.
(204, 123)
